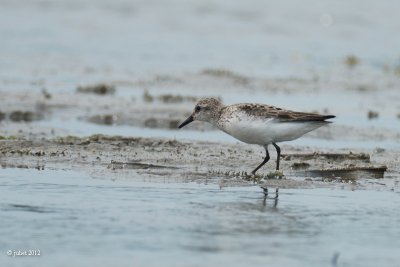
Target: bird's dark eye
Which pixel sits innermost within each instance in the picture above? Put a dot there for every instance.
(197, 108)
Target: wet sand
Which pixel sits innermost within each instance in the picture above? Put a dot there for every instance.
(226, 164)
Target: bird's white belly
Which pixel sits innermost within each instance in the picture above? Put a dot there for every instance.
(266, 131)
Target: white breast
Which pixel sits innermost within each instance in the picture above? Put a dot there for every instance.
(255, 130)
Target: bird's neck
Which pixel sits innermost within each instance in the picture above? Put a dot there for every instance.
(216, 116)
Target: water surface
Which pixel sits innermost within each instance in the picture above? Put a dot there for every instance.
(75, 220)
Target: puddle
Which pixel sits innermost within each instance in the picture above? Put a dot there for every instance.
(99, 221)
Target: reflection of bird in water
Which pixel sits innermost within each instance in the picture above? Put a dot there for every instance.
(274, 198)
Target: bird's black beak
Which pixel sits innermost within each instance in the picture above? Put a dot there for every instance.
(186, 122)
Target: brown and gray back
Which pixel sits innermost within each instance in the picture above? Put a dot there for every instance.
(279, 114)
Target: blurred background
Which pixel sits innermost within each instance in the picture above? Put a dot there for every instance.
(156, 58)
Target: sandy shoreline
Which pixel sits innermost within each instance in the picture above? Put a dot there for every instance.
(116, 157)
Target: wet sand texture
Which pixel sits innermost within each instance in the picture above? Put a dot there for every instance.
(229, 164)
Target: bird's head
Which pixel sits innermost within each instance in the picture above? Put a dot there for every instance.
(207, 109)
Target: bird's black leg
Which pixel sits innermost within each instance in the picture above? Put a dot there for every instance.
(278, 152)
(264, 161)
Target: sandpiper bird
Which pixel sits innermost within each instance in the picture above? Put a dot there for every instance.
(257, 123)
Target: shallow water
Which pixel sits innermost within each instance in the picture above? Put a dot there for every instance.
(119, 38)
(75, 220)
